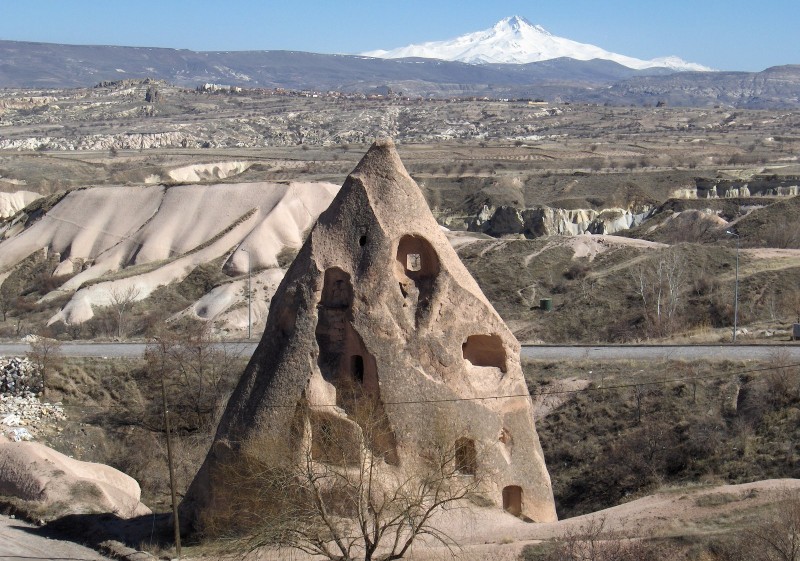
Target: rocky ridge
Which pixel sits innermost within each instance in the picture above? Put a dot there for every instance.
(546, 221)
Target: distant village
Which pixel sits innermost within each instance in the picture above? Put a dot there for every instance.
(380, 94)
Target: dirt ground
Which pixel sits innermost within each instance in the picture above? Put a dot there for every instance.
(490, 535)
(20, 540)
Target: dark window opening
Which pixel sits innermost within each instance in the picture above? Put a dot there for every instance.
(357, 368)
(466, 458)
(337, 290)
(512, 499)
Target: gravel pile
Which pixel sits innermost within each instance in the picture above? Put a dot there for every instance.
(18, 376)
(22, 414)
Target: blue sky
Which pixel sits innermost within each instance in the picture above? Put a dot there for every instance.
(723, 34)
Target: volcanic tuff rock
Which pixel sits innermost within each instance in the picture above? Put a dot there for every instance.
(50, 480)
(546, 221)
(107, 240)
(377, 306)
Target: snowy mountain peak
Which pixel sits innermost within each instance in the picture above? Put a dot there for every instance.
(515, 40)
(518, 25)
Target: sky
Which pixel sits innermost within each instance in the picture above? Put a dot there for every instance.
(722, 34)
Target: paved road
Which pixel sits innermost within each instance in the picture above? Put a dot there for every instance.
(544, 352)
(17, 543)
(112, 350)
(663, 352)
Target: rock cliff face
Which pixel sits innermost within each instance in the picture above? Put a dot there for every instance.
(138, 238)
(762, 186)
(546, 221)
(377, 306)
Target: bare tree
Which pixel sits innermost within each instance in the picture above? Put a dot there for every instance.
(783, 382)
(794, 305)
(660, 283)
(9, 294)
(121, 301)
(199, 375)
(45, 353)
(338, 498)
(777, 539)
(781, 233)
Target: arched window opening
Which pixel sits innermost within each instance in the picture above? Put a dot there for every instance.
(466, 457)
(485, 350)
(417, 257)
(512, 500)
(337, 290)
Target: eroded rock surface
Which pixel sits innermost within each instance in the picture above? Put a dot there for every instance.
(546, 221)
(377, 306)
(57, 485)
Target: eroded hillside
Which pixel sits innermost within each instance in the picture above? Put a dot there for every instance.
(148, 191)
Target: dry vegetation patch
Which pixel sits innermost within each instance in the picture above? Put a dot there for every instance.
(640, 426)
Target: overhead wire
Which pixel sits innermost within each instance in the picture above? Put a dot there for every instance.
(533, 394)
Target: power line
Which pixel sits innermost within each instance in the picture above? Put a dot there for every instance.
(507, 396)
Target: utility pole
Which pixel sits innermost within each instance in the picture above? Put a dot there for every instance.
(736, 287)
(249, 297)
(175, 522)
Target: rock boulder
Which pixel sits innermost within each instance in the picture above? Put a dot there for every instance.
(56, 485)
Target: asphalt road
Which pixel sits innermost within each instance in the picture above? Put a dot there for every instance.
(544, 352)
(112, 350)
(19, 541)
(662, 352)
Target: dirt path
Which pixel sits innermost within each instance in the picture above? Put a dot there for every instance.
(19, 541)
(674, 512)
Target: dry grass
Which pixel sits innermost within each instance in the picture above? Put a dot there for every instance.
(633, 432)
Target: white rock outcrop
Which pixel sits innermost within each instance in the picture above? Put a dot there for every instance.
(58, 485)
(547, 221)
(165, 232)
(11, 203)
(207, 172)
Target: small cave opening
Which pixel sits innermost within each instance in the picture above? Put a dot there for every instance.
(337, 290)
(286, 322)
(485, 350)
(417, 258)
(512, 499)
(417, 268)
(345, 362)
(466, 457)
(362, 241)
(357, 368)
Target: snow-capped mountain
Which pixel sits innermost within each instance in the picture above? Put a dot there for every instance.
(515, 40)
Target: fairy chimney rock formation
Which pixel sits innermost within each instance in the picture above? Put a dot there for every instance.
(378, 306)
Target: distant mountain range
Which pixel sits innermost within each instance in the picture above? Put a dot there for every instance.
(515, 40)
(564, 79)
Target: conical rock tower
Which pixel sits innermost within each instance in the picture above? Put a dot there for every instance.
(377, 306)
